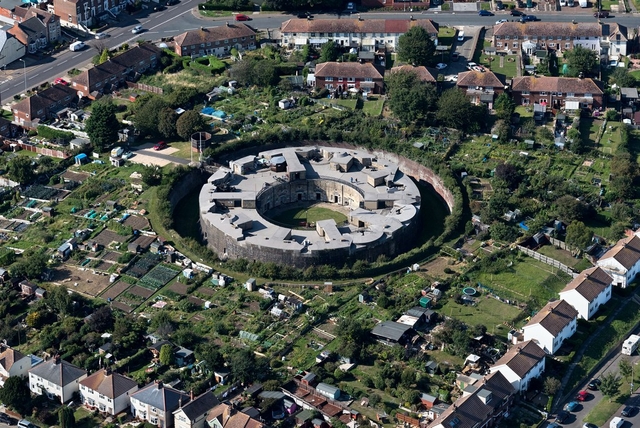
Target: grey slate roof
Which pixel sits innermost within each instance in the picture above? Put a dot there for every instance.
(61, 373)
(200, 405)
(161, 397)
(390, 330)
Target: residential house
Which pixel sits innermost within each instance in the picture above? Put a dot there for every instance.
(224, 415)
(51, 22)
(11, 49)
(82, 14)
(603, 38)
(57, 379)
(363, 34)
(588, 291)
(13, 363)
(554, 323)
(33, 110)
(520, 364)
(484, 407)
(563, 93)
(349, 76)
(107, 391)
(155, 403)
(215, 40)
(480, 87)
(422, 72)
(392, 332)
(113, 73)
(194, 413)
(622, 261)
(32, 33)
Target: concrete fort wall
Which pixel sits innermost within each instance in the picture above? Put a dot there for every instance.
(308, 191)
(226, 246)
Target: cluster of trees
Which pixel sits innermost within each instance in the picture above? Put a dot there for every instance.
(155, 115)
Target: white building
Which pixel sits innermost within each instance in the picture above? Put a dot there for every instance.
(363, 34)
(13, 363)
(56, 378)
(555, 322)
(155, 403)
(622, 262)
(520, 364)
(588, 291)
(194, 413)
(107, 391)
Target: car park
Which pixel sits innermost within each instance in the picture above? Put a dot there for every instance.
(242, 17)
(562, 417)
(629, 411)
(485, 13)
(570, 406)
(594, 384)
(137, 29)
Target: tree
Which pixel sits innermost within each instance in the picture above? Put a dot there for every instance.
(455, 111)
(578, 235)
(509, 174)
(15, 393)
(611, 383)
(576, 143)
(151, 176)
(189, 122)
(625, 368)
(416, 47)
(551, 385)
(570, 208)
(374, 400)
(580, 60)
(102, 126)
(167, 118)
(209, 353)
(621, 77)
(621, 212)
(503, 232)
(147, 110)
(101, 319)
(410, 99)
(330, 52)
(504, 107)
(66, 417)
(59, 299)
(166, 355)
(255, 71)
(104, 56)
(31, 265)
(245, 367)
(21, 170)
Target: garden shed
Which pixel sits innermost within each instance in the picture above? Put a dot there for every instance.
(81, 158)
(425, 302)
(329, 391)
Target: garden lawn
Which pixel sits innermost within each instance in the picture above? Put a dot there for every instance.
(446, 35)
(636, 73)
(525, 279)
(489, 312)
(562, 256)
(373, 107)
(605, 408)
(295, 216)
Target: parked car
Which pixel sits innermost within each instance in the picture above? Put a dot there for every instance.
(159, 8)
(470, 65)
(485, 13)
(100, 36)
(515, 12)
(455, 56)
(60, 81)
(629, 411)
(137, 29)
(570, 406)
(241, 17)
(127, 155)
(76, 46)
(583, 396)
(461, 36)
(562, 417)
(588, 425)
(500, 21)
(528, 18)
(601, 14)
(161, 145)
(441, 66)
(351, 6)
(594, 384)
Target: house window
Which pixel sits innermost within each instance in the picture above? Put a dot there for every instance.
(351, 79)
(543, 100)
(525, 92)
(567, 45)
(339, 79)
(515, 45)
(543, 93)
(368, 79)
(328, 79)
(525, 101)
(570, 94)
(70, 18)
(499, 44)
(587, 95)
(153, 420)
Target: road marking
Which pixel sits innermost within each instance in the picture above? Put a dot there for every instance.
(76, 56)
(171, 19)
(62, 62)
(34, 76)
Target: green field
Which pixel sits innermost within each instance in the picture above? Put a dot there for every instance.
(296, 216)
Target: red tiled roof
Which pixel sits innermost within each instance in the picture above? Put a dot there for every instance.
(421, 71)
(556, 84)
(347, 69)
(471, 79)
(213, 34)
(397, 26)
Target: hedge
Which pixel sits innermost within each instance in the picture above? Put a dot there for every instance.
(54, 134)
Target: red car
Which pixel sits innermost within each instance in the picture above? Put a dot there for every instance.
(582, 396)
(161, 145)
(60, 81)
(241, 17)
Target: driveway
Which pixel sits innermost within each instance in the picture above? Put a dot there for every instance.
(464, 49)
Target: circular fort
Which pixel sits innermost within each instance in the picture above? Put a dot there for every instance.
(240, 205)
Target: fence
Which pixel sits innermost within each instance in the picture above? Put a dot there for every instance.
(45, 151)
(145, 87)
(558, 243)
(548, 260)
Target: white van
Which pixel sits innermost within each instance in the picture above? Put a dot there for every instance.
(23, 423)
(616, 422)
(116, 152)
(76, 46)
(461, 36)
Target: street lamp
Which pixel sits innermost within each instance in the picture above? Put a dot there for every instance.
(24, 71)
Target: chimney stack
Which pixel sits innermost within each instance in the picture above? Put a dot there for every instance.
(159, 382)
(191, 395)
(56, 359)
